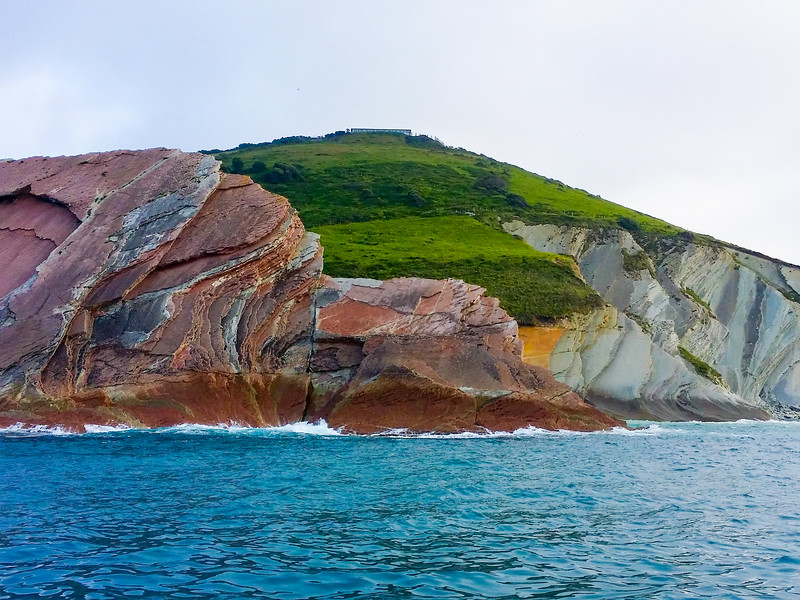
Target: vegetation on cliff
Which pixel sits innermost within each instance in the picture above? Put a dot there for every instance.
(457, 200)
(531, 285)
(701, 367)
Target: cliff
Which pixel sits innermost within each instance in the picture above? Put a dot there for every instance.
(424, 354)
(148, 288)
(690, 331)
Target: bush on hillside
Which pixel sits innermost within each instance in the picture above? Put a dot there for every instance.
(628, 224)
(516, 201)
(415, 199)
(492, 183)
(423, 141)
(283, 173)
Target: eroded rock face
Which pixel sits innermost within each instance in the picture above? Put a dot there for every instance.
(429, 355)
(170, 293)
(728, 308)
(149, 289)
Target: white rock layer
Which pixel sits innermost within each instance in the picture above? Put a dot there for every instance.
(731, 309)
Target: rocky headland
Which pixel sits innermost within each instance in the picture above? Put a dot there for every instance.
(642, 318)
(149, 289)
(689, 331)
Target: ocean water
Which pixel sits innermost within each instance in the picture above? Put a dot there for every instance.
(684, 510)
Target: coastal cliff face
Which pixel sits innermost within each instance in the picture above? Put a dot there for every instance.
(423, 354)
(148, 288)
(701, 332)
(156, 294)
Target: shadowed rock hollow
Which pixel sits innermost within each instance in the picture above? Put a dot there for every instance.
(148, 288)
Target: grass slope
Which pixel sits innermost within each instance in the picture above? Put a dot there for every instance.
(363, 177)
(531, 285)
(434, 211)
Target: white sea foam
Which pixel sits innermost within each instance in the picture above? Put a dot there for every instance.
(321, 428)
(302, 427)
(89, 428)
(25, 429)
(200, 429)
(305, 427)
(523, 432)
(464, 435)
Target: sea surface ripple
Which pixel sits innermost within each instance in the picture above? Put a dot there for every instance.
(684, 510)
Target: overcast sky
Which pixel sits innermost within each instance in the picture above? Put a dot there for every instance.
(685, 110)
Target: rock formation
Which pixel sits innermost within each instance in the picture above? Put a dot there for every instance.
(148, 288)
(703, 332)
(423, 354)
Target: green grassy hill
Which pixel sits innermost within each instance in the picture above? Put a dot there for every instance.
(531, 285)
(393, 205)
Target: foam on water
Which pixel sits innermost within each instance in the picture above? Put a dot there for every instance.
(307, 428)
(300, 427)
(37, 430)
(89, 428)
(200, 429)
(321, 428)
(59, 430)
(523, 432)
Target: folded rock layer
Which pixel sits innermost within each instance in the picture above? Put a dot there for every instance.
(732, 311)
(149, 289)
(429, 355)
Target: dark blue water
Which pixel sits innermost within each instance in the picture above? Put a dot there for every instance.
(674, 511)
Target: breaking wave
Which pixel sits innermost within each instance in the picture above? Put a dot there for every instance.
(321, 428)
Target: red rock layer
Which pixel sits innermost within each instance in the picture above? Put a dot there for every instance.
(150, 289)
(168, 292)
(429, 355)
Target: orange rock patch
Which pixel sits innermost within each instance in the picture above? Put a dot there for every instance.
(538, 344)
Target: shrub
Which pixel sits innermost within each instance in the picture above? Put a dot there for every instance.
(516, 201)
(628, 224)
(634, 264)
(423, 141)
(492, 183)
(283, 173)
(415, 199)
(690, 293)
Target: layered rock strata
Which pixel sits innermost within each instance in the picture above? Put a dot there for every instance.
(149, 289)
(166, 302)
(701, 332)
(420, 354)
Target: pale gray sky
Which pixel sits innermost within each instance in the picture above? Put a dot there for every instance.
(686, 110)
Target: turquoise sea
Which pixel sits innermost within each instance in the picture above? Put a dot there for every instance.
(680, 510)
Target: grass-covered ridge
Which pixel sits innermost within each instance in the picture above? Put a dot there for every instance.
(394, 205)
(531, 285)
(362, 177)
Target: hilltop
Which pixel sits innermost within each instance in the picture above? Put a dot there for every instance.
(436, 211)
